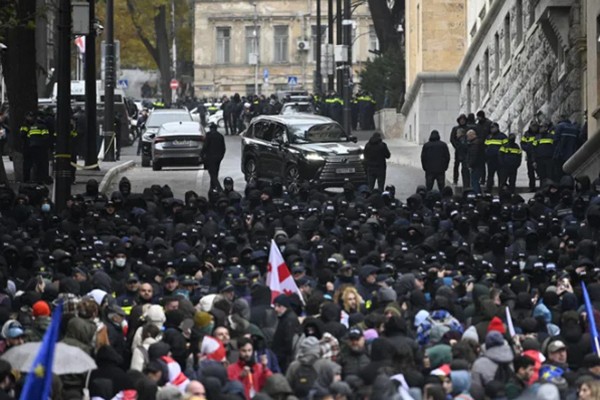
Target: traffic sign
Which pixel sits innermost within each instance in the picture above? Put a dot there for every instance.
(123, 83)
(174, 84)
(266, 73)
(292, 80)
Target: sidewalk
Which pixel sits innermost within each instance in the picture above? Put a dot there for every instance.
(103, 175)
(409, 154)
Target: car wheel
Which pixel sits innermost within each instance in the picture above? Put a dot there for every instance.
(145, 161)
(156, 166)
(221, 123)
(292, 178)
(250, 171)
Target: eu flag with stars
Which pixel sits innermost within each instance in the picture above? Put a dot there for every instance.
(39, 380)
(589, 309)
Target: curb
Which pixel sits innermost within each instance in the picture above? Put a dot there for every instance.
(111, 173)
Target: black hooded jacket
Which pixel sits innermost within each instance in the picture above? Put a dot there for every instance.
(376, 152)
(435, 155)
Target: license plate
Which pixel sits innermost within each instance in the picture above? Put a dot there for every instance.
(186, 143)
(345, 170)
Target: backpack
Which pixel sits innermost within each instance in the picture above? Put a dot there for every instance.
(303, 380)
(503, 373)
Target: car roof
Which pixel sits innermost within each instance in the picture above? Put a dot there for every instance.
(295, 119)
(297, 103)
(170, 111)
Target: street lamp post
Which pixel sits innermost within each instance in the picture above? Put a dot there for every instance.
(330, 76)
(62, 188)
(347, 88)
(318, 87)
(91, 156)
(109, 85)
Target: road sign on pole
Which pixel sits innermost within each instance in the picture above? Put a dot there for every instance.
(122, 84)
(174, 84)
(292, 81)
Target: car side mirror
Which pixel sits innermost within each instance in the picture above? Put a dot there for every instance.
(352, 139)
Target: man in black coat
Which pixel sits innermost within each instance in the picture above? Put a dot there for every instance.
(376, 152)
(435, 158)
(287, 327)
(458, 138)
(212, 154)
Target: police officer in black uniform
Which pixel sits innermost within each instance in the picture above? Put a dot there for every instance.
(36, 146)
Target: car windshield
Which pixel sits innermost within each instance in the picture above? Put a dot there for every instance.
(297, 108)
(157, 119)
(319, 133)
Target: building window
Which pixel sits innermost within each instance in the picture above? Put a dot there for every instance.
(507, 39)
(486, 72)
(561, 61)
(477, 87)
(252, 44)
(497, 55)
(250, 89)
(281, 40)
(519, 21)
(469, 94)
(223, 45)
(313, 40)
(373, 41)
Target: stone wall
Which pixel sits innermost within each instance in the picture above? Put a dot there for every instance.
(528, 83)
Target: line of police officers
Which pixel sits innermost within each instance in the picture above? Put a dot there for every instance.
(547, 148)
(38, 136)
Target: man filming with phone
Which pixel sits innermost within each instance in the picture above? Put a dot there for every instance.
(250, 373)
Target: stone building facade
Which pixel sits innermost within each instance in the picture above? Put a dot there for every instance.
(286, 35)
(524, 60)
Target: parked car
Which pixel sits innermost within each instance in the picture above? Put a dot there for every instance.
(155, 120)
(301, 147)
(297, 107)
(217, 118)
(178, 143)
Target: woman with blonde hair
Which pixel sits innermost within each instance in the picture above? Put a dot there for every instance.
(351, 300)
(589, 390)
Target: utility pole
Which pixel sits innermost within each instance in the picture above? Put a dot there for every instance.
(109, 85)
(62, 188)
(91, 156)
(330, 76)
(339, 41)
(347, 88)
(318, 86)
(174, 50)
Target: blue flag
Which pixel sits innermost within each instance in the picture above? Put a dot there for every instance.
(39, 380)
(590, 317)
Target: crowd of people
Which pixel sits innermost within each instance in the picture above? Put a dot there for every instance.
(441, 296)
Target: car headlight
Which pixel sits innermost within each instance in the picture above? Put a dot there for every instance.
(313, 157)
(362, 156)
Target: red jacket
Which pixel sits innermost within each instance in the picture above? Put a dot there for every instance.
(256, 380)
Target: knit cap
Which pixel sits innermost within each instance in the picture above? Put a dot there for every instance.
(496, 325)
(41, 309)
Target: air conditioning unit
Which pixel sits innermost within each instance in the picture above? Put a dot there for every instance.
(303, 45)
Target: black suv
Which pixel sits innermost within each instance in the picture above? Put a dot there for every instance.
(301, 147)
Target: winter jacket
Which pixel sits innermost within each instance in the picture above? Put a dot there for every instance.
(283, 340)
(214, 147)
(139, 359)
(252, 384)
(352, 361)
(484, 368)
(510, 156)
(544, 146)
(376, 152)
(493, 143)
(566, 140)
(476, 153)
(435, 155)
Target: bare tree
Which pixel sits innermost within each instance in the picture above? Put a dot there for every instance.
(387, 15)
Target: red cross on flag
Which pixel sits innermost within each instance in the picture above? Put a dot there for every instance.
(279, 278)
(80, 43)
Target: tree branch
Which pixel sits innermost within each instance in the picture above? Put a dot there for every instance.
(138, 28)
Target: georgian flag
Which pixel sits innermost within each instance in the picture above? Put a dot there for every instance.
(279, 278)
(80, 43)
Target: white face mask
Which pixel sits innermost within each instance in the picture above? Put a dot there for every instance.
(120, 262)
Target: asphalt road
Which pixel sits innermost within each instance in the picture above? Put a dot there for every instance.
(182, 179)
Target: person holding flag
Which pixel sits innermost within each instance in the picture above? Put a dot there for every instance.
(282, 286)
(38, 383)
